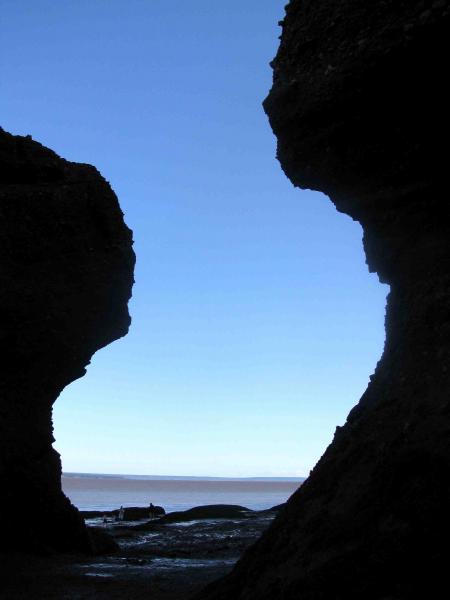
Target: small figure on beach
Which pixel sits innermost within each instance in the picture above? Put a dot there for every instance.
(105, 519)
(152, 513)
(121, 513)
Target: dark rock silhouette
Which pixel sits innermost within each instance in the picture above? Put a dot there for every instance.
(359, 105)
(131, 513)
(67, 272)
(207, 511)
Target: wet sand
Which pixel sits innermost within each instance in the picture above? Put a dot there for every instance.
(161, 561)
(71, 578)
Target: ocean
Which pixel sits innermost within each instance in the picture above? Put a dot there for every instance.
(108, 492)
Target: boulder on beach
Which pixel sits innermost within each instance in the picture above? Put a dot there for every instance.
(209, 511)
(131, 513)
(135, 513)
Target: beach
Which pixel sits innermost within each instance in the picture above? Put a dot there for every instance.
(203, 527)
(168, 558)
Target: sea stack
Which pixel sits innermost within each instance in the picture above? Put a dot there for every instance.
(67, 271)
(360, 108)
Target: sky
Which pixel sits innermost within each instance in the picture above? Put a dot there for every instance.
(256, 324)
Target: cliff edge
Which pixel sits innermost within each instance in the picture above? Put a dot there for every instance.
(67, 271)
(359, 105)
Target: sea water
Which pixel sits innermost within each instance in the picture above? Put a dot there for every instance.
(108, 492)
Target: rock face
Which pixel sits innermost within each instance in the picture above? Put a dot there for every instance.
(359, 107)
(67, 272)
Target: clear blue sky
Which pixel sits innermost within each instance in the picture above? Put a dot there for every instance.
(255, 321)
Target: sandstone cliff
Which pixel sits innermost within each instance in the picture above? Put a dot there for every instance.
(360, 108)
(67, 271)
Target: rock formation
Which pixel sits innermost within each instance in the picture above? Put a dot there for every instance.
(67, 272)
(359, 105)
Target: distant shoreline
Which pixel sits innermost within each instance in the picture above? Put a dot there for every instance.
(177, 477)
(92, 491)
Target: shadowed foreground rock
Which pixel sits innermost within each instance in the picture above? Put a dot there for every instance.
(66, 270)
(360, 109)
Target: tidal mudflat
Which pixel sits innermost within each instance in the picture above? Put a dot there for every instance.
(163, 559)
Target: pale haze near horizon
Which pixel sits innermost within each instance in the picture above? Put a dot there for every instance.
(255, 321)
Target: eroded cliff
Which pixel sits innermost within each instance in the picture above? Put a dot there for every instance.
(67, 271)
(359, 105)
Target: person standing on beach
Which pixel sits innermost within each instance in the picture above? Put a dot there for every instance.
(151, 511)
(121, 513)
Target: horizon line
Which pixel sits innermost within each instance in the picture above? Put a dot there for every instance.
(217, 477)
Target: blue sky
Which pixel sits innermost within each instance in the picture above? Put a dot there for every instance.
(255, 321)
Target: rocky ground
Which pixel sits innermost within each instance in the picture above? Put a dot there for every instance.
(163, 559)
